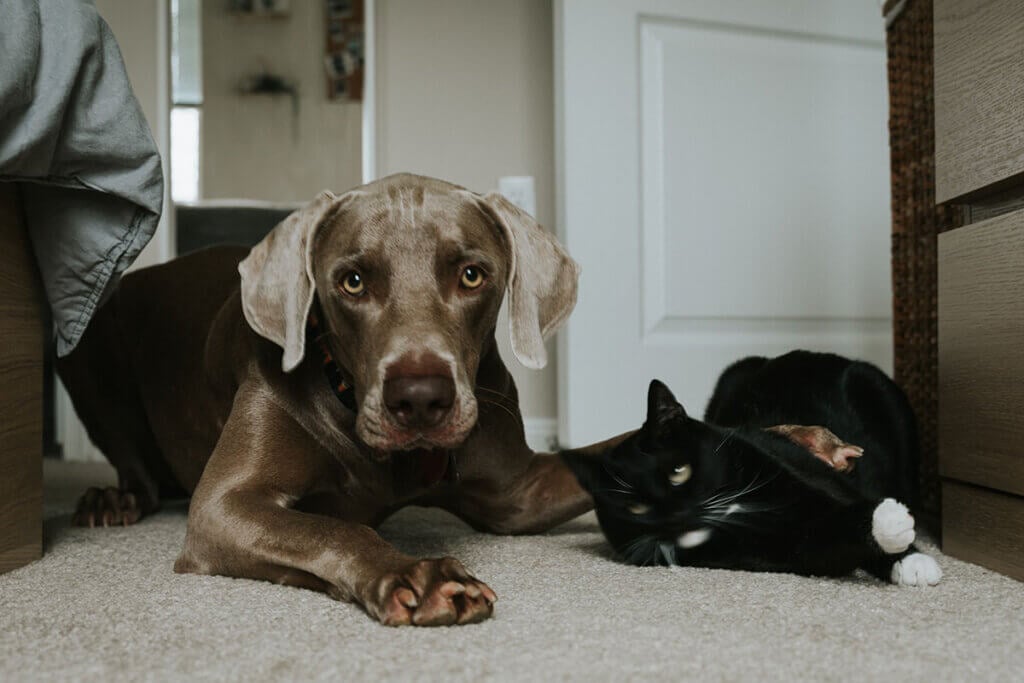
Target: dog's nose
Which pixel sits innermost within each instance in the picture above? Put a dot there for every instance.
(419, 402)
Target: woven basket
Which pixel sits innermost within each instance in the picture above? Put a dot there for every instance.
(916, 222)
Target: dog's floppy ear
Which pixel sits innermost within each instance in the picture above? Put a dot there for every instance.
(542, 281)
(277, 279)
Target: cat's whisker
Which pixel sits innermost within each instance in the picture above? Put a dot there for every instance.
(668, 551)
(723, 498)
(624, 492)
(618, 479)
(636, 550)
(633, 554)
(725, 440)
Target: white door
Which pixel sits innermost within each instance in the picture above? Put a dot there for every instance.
(723, 173)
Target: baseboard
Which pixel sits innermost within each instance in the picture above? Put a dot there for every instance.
(541, 433)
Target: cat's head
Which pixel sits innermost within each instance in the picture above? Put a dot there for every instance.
(650, 491)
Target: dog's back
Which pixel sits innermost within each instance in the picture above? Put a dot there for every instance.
(853, 399)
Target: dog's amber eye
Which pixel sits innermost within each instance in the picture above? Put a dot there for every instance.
(352, 284)
(472, 277)
(680, 475)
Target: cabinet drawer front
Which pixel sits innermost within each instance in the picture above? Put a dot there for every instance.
(21, 391)
(983, 527)
(979, 95)
(981, 353)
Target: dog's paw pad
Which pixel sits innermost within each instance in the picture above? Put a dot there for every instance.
(916, 569)
(892, 526)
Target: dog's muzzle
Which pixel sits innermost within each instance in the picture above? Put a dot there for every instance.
(419, 403)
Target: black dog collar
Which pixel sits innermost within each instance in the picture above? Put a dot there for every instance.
(340, 388)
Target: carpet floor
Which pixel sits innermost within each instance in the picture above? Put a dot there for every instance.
(103, 604)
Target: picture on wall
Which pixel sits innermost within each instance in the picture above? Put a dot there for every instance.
(345, 51)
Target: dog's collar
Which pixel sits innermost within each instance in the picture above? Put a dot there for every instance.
(338, 384)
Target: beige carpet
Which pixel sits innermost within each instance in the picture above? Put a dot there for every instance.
(104, 604)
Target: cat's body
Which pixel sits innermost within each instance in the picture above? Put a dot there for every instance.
(729, 493)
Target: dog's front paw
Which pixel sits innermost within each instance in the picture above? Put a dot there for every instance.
(823, 445)
(892, 526)
(434, 592)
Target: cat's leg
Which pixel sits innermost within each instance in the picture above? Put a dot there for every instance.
(892, 526)
(892, 530)
(822, 443)
(875, 536)
(909, 568)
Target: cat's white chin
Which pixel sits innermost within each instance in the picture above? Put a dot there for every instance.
(692, 539)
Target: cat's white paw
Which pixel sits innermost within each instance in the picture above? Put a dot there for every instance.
(892, 526)
(916, 569)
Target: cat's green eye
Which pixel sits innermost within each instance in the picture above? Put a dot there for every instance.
(680, 475)
(639, 509)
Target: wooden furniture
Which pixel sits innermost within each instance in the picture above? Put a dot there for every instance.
(21, 390)
(979, 167)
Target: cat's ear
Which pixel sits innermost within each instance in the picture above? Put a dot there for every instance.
(662, 406)
(586, 468)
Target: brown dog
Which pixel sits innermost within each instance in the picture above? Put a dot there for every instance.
(193, 381)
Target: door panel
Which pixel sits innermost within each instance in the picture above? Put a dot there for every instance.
(729, 197)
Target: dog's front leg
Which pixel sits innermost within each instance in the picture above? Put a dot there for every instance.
(241, 524)
(533, 498)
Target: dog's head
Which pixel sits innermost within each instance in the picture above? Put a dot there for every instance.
(409, 273)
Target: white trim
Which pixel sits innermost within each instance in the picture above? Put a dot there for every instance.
(369, 143)
(541, 433)
(70, 432)
(562, 338)
(166, 243)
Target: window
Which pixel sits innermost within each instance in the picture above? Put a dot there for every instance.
(186, 98)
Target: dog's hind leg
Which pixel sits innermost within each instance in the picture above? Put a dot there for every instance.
(105, 396)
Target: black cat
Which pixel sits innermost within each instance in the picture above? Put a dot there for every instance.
(736, 492)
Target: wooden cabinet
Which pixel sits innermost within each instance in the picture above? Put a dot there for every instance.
(21, 391)
(979, 166)
(979, 96)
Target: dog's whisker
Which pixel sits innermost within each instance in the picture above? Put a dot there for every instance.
(496, 393)
(499, 405)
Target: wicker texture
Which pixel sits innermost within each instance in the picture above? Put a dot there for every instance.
(916, 222)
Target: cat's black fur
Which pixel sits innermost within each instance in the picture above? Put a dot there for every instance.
(796, 513)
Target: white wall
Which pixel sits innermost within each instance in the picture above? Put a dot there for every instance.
(248, 149)
(465, 93)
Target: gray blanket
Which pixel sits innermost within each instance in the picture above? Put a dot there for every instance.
(74, 136)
